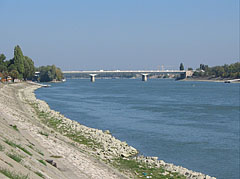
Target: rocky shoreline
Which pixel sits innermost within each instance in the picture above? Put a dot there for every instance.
(110, 146)
(71, 150)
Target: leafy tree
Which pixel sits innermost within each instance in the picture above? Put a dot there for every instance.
(181, 67)
(29, 68)
(14, 74)
(225, 71)
(50, 73)
(2, 63)
(190, 69)
(12, 67)
(18, 60)
(2, 58)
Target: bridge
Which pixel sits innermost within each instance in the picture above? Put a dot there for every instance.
(126, 73)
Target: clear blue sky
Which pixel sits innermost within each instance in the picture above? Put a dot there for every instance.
(123, 34)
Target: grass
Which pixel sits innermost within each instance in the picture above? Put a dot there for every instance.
(1, 148)
(30, 146)
(37, 150)
(9, 164)
(18, 146)
(39, 174)
(15, 157)
(44, 133)
(56, 156)
(43, 162)
(142, 170)
(64, 129)
(15, 128)
(12, 175)
(131, 166)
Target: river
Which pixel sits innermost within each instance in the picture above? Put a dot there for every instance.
(192, 124)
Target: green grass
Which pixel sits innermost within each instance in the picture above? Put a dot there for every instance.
(30, 146)
(1, 148)
(39, 174)
(24, 150)
(132, 167)
(8, 163)
(15, 128)
(142, 170)
(15, 157)
(43, 162)
(44, 133)
(65, 130)
(18, 146)
(56, 156)
(10, 143)
(12, 175)
(38, 151)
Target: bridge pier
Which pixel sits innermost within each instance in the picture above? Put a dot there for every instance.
(144, 76)
(92, 77)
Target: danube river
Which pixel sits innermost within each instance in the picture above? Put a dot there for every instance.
(192, 124)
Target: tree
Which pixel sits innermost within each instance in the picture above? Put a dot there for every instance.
(50, 73)
(18, 60)
(181, 67)
(2, 58)
(14, 74)
(29, 68)
(190, 69)
(2, 63)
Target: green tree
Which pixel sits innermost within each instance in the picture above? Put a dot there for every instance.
(29, 68)
(50, 73)
(2, 58)
(19, 60)
(181, 67)
(2, 63)
(14, 74)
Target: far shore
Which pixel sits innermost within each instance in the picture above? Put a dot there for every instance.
(209, 80)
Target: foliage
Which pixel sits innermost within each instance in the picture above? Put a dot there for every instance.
(143, 170)
(43, 162)
(18, 146)
(50, 73)
(181, 67)
(225, 71)
(12, 175)
(43, 133)
(15, 157)
(22, 67)
(15, 128)
(29, 68)
(14, 74)
(39, 174)
(1, 148)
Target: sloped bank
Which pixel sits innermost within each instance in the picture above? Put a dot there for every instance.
(102, 145)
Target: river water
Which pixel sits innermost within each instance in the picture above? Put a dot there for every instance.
(192, 124)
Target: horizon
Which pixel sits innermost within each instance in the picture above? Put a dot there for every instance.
(136, 35)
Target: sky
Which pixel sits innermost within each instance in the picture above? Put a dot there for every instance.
(123, 34)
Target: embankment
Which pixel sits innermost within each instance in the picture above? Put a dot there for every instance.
(78, 151)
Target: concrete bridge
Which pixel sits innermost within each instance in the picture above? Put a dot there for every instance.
(144, 73)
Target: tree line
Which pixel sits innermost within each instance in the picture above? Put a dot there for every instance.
(225, 71)
(22, 67)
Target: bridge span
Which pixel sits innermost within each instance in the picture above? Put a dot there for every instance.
(128, 71)
(124, 73)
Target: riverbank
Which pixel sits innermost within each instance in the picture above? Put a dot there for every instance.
(211, 80)
(78, 151)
